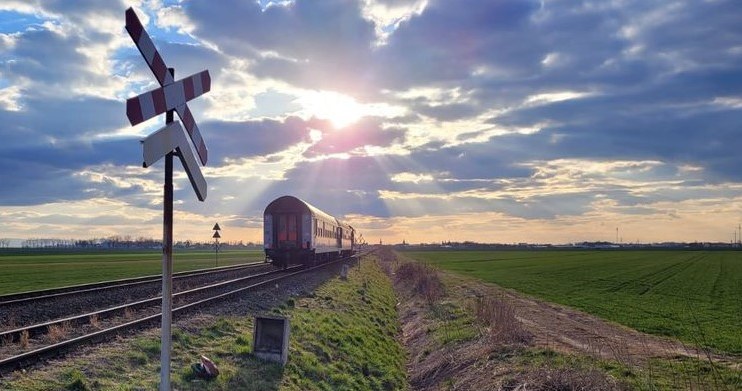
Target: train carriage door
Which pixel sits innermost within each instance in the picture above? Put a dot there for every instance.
(306, 231)
(268, 238)
(281, 232)
(287, 231)
(293, 234)
(339, 236)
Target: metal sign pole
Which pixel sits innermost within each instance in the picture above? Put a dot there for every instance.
(167, 266)
(167, 142)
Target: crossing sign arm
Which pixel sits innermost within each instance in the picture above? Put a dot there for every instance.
(152, 103)
(190, 126)
(169, 138)
(194, 172)
(147, 48)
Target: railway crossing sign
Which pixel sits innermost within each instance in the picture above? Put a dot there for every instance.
(166, 142)
(171, 95)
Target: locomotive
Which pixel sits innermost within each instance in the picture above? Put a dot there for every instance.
(295, 232)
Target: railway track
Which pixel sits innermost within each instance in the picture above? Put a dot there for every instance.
(43, 340)
(35, 307)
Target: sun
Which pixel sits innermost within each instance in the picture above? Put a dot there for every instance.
(341, 110)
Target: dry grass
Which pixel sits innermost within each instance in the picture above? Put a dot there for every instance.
(57, 332)
(10, 320)
(7, 340)
(558, 379)
(94, 321)
(422, 279)
(500, 322)
(23, 340)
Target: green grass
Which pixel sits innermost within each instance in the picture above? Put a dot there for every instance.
(695, 296)
(345, 336)
(34, 271)
(453, 323)
(656, 374)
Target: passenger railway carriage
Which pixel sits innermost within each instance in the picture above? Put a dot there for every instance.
(296, 232)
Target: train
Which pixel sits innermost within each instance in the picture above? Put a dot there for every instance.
(295, 232)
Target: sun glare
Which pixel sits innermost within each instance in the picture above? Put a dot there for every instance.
(341, 110)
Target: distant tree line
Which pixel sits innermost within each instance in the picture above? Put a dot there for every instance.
(469, 245)
(122, 242)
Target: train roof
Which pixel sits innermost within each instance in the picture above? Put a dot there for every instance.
(287, 202)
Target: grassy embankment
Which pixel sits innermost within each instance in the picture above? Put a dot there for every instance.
(34, 271)
(694, 296)
(342, 338)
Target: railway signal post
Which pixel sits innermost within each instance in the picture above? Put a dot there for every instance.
(216, 237)
(168, 142)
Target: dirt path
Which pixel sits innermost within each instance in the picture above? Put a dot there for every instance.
(568, 330)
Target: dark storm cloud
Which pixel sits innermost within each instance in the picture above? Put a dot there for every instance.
(31, 183)
(366, 132)
(255, 138)
(449, 40)
(64, 120)
(497, 158)
(187, 59)
(396, 3)
(666, 122)
(32, 55)
(447, 112)
(537, 208)
(268, 136)
(83, 9)
(319, 45)
(45, 173)
(340, 185)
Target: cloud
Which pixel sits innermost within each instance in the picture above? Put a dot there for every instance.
(449, 41)
(367, 132)
(291, 41)
(480, 117)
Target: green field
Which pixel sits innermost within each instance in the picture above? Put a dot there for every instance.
(33, 270)
(695, 296)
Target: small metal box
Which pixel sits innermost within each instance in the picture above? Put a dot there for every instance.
(271, 338)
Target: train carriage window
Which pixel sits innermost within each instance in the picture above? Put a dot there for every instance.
(281, 228)
(292, 228)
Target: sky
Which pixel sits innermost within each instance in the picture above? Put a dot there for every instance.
(504, 121)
